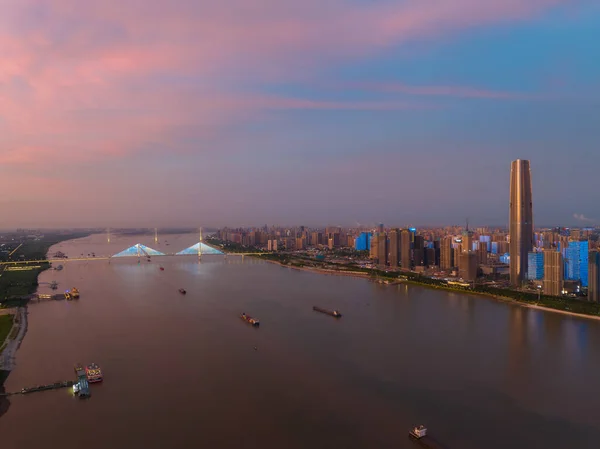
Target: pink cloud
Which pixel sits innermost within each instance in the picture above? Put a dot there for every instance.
(85, 81)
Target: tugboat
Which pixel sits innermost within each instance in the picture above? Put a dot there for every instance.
(182, 291)
(418, 432)
(74, 293)
(249, 319)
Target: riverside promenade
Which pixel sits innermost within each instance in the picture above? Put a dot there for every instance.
(10, 345)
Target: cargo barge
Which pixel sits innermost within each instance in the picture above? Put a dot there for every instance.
(249, 319)
(335, 313)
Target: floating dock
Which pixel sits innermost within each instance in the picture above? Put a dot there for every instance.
(334, 313)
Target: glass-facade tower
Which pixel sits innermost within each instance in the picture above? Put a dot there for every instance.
(520, 220)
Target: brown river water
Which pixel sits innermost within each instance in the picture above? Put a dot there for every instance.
(184, 371)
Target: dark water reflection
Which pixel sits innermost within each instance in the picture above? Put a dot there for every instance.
(182, 372)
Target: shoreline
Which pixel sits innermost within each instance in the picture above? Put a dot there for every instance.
(506, 299)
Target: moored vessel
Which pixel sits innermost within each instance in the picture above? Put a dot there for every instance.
(249, 319)
(418, 432)
(83, 387)
(93, 373)
(334, 313)
(74, 293)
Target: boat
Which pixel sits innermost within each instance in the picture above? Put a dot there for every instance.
(74, 293)
(418, 432)
(182, 291)
(93, 373)
(54, 285)
(68, 296)
(60, 267)
(335, 313)
(249, 319)
(162, 269)
(84, 386)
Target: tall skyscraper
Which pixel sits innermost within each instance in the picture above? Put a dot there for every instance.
(594, 276)
(405, 248)
(394, 249)
(553, 273)
(446, 259)
(520, 220)
(382, 250)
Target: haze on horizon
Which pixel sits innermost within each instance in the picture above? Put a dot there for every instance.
(153, 113)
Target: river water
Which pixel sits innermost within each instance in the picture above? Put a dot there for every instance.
(183, 372)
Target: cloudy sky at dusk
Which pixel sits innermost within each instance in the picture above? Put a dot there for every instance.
(242, 112)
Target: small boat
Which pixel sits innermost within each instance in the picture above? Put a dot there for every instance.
(418, 432)
(249, 319)
(182, 291)
(162, 269)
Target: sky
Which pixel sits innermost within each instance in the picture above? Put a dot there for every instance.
(319, 112)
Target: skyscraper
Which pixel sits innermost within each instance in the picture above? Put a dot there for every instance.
(405, 248)
(446, 259)
(576, 262)
(594, 276)
(394, 249)
(520, 220)
(553, 272)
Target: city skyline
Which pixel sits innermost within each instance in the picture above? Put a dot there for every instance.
(405, 113)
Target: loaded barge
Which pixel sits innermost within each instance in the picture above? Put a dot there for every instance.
(249, 319)
(335, 313)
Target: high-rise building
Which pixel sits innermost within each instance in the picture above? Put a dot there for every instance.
(430, 259)
(394, 247)
(363, 241)
(553, 273)
(418, 251)
(594, 276)
(468, 266)
(576, 261)
(446, 255)
(374, 246)
(535, 266)
(520, 220)
(382, 250)
(405, 248)
(482, 253)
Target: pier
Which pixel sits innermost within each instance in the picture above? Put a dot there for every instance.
(35, 389)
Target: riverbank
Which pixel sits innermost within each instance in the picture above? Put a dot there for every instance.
(16, 287)
(365, 275)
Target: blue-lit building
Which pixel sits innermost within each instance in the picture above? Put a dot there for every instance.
(488, 240)
(494, 248)
(535, 266)
(505, 258)
(363, 241)
(576, 262)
